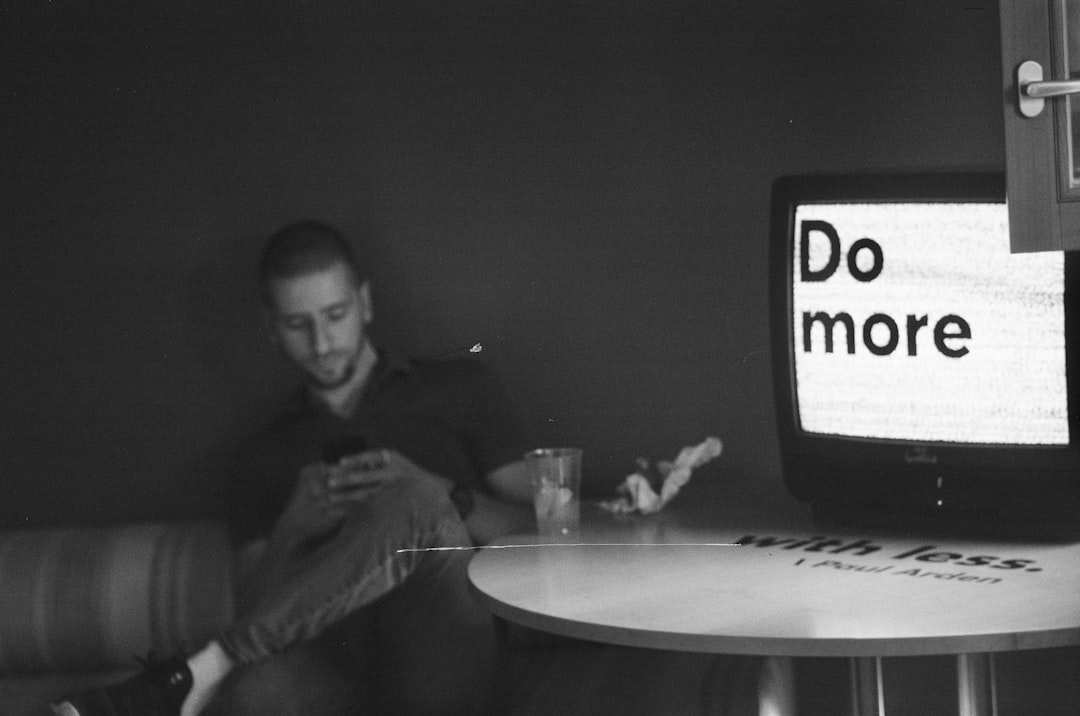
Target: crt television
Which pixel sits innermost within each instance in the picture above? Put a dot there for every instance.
(924, 376)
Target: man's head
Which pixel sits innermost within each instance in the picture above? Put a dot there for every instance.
(317, 300)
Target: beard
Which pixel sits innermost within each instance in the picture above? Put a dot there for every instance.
(316, 379)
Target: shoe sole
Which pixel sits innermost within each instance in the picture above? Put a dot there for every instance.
(64, 709)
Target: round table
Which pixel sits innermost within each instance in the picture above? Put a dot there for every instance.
(744, 579)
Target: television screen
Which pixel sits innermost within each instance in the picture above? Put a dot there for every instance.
(913, 321)
(920, 368)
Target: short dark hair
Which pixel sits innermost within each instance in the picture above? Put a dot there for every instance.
(301, 248)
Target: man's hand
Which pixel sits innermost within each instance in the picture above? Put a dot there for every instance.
(357, 476)
(309, 510)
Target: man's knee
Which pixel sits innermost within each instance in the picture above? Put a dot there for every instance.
(421, 495)
(424, 507)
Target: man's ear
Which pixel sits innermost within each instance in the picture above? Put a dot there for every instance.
(365, 301)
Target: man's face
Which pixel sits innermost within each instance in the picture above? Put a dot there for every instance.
(319, 320)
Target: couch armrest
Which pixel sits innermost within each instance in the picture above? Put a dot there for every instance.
(90, 598)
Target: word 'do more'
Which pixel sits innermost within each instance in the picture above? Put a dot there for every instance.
(881, 333)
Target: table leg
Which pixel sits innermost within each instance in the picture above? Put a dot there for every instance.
(867, 696)
(975, 684)
(776, 687)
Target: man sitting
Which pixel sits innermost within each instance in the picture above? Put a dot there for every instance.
(343, 508)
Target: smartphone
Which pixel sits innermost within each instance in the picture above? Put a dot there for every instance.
(334, 449)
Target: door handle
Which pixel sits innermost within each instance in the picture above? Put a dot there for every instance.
(1032, 91)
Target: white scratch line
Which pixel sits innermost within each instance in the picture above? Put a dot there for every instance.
(571, 544)
(751, 354)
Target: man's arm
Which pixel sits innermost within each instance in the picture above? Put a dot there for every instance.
(507, 510)
(512, 483)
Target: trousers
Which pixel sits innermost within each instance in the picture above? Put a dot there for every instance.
(370, 619)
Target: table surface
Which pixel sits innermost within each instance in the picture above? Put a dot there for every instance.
(673, 581)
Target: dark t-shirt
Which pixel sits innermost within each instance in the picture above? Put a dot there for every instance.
(450, 417)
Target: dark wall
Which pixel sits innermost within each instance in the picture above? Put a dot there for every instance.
(583, 190)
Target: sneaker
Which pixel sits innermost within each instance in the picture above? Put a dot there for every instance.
(159, 690)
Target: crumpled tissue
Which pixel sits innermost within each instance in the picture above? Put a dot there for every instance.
(640, 494)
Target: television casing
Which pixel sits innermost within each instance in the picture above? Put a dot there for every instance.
(972, 489)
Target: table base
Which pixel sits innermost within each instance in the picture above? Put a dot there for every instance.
(976, 688)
